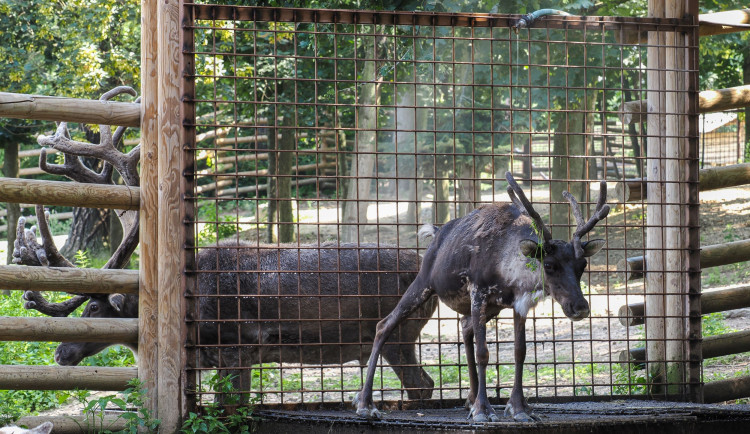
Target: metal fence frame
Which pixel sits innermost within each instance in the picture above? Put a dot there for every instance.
(521, 159)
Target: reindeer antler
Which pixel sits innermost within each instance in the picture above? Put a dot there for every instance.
(519, 199)
(28, 252)
(583, 227)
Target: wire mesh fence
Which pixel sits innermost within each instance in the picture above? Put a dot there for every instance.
(722, 138)
(320, 141)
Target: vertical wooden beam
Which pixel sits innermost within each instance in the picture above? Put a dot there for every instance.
(676, 289)
(147, 306)
(695, 350)
(655, 284)
(171, 233)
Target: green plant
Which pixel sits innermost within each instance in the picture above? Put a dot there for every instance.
(132, 398)
(713, 325)
(215, 419)
(216, 227)
(82, 259)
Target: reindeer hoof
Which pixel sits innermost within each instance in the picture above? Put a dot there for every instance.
(365, 411)
(523, 417)
(483, 417)
(368, 413)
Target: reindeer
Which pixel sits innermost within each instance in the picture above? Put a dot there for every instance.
(44, 428)
(484, 262)
(344, 324)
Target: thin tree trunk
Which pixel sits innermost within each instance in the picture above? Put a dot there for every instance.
(285, 161)
(405, 173)
(569, 140)
(363, 162)
(88, 231)
(273, 187)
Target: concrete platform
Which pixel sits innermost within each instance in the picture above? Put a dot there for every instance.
(580, 417)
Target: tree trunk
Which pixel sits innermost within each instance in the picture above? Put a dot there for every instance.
(90, 229)
(10, 170)
(572, 142)
(405, 171)
(88, 232)
(285, 160)
(362, 168)
(273, 187)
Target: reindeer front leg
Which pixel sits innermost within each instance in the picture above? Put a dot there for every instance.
(517, 405)
(481, 411)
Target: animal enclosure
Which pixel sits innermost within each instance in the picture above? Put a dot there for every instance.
(309, 131)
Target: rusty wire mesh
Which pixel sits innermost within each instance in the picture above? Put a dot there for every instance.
(317, 128)
(722, 138)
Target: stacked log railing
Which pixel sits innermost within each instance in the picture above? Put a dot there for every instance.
(635, 190)
(60, 279)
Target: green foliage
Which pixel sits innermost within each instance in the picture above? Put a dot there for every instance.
(131, 398)
(216, 227)
(215, 419)
(16, 403)
(82, 259)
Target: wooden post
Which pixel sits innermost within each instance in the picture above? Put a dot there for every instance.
(171, 229)
(655, 284)
(148, 278)
(676, 196)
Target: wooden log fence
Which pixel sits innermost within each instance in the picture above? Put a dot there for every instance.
(726, 390)
(124, 330)
(25, 377)
(66, 279)
(69, 194)
(713, 346)
(709, 101)
(711, 256)
(53, 108)
(714, 178)
(713, 301)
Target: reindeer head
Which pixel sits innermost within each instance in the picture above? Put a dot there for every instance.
(562, 262)
(99, 306)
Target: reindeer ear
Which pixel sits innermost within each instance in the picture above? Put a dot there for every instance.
(117, 301)
(44, 428)
(530, 249)
(590, 248)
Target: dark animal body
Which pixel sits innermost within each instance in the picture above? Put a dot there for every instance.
(313, 304)
(486, 261)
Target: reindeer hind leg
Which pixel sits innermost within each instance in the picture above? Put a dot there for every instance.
(418, 293)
